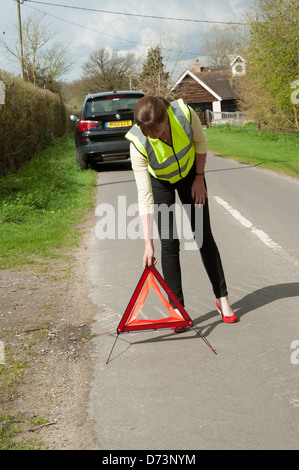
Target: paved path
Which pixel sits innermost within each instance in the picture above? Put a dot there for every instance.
(165, 391)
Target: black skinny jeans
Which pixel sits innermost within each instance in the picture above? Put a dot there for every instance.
(164, 193)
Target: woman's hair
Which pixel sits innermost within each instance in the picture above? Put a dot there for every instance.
(149, 112)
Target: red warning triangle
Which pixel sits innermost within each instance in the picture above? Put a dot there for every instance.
(148, 280)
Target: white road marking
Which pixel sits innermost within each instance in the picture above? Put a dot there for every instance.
(259, 233)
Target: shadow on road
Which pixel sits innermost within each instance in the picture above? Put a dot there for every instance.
(253, 301)
(105, 167)
(247, 304)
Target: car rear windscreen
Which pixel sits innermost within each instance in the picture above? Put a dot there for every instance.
(112, 103)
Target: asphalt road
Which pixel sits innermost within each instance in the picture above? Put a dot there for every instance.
(163, 391)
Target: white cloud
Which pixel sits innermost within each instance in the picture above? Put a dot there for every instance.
(125, 33)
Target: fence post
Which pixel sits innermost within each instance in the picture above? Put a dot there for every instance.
(208, 116)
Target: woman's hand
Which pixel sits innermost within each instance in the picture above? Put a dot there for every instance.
(147, 228)
(198, 191)
(148, 255)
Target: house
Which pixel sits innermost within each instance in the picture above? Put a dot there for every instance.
(212, 88)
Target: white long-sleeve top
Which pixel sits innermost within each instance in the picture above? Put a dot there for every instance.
(142, 176)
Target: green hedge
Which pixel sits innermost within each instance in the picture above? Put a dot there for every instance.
(28, 119)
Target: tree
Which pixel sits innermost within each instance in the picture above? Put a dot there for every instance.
(153, 78)
(53, 65)
(41, 66)
(221, 43)
(108, 70)
(272, 64)
(153, 65)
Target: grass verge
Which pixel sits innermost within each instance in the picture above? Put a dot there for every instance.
(41, 208)
(274, 151)
(13, 430)
(42, 204)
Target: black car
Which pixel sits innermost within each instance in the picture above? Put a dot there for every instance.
(105, 119)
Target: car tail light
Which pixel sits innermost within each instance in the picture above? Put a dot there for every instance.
(112, 97)
(84, 126)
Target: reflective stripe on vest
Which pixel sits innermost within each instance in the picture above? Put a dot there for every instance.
(168, 162)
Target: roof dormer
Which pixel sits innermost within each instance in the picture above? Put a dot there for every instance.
(238, 66)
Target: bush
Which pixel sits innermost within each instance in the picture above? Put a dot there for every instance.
(41, 205)
(30, 117)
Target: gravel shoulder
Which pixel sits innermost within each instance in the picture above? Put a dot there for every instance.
(45, 325)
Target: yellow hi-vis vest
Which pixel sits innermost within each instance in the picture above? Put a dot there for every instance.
(168, 162)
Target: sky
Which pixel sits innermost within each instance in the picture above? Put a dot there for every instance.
(129, 26)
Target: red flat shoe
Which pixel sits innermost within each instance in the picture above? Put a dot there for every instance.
(226, 319)
(180, 329)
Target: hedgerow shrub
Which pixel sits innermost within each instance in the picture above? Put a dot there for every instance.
(29, 118)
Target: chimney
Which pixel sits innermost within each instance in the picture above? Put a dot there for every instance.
(197, 66)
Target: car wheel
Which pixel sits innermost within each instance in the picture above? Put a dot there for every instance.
(80, 162)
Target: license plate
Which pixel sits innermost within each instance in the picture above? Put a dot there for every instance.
(114, 124)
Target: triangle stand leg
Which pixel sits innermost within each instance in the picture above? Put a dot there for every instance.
(205, 340)
(108, 359)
